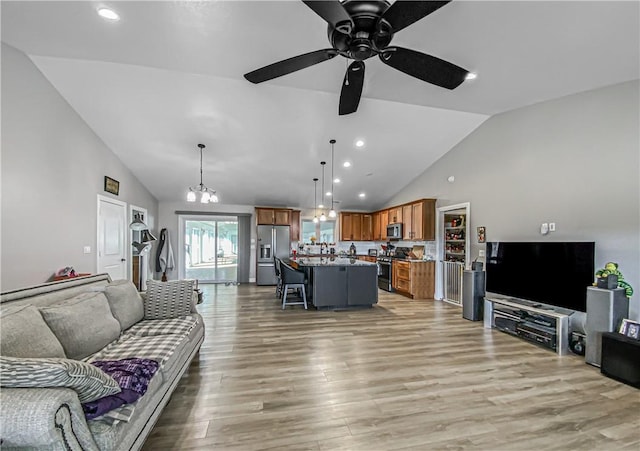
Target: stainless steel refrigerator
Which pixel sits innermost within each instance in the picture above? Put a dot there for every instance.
(273, 241)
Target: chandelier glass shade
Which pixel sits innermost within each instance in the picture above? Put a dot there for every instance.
(206, 195)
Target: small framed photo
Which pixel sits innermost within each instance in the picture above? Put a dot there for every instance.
(111, 185)
(630, 329)
(481, 234)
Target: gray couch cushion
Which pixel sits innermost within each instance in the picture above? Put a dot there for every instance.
(25, 334)
(125, 302)
(84, 324)
(89, 382)
(170, 299)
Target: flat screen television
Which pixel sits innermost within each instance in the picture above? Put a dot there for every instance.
(556, 274)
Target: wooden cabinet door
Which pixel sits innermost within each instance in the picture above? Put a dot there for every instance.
(384, 222)
(403, 277)
(282, 217)
(346, 227)
(367, 227)
(264, 216)
(376, 226)
(356, 224)
(395, 215)
(407, 222)
(417, 211)
(295, 225)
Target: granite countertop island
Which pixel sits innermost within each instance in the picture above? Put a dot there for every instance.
(339, 282)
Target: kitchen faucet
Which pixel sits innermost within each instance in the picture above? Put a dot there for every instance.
(325, 245)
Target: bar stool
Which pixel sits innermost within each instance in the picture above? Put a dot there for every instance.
(292, 280)
(276, 265)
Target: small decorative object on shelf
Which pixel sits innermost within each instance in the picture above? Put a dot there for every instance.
(630, 329)
(610, 277)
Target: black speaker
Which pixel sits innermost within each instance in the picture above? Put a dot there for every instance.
(577, 343)
(472, 295)
(605, 310)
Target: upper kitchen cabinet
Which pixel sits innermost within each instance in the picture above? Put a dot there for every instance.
(367, 227)
(384, 222)
(351, 226)
(422, 224)
(395, 215)
(295, 225)
(273, 216)
(377, 236)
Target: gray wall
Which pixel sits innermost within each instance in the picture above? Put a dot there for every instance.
(53, 168)
(573, 161)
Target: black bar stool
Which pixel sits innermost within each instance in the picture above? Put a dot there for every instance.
(292, 280)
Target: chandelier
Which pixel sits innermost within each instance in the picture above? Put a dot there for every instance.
(206, 195)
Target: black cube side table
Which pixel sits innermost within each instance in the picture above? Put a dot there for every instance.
(621, 358)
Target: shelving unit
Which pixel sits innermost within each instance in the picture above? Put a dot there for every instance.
(455, 237)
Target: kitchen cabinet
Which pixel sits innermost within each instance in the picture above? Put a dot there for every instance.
(295, 225)
(407, 224)
(351, 226)
(414, 279)
(384, 222)
(368, 258)
(419, 220)
(395, 215)
(273, 216)
(367, 227)
(376, 226)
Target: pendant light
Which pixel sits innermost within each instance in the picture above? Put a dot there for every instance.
(323, 217)
(332, 212)
(315, 200)
(206, 195)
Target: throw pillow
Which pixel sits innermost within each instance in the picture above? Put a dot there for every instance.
(168, 299)
(25, 334)
(125, 302)
(89, 382)
(84, 324)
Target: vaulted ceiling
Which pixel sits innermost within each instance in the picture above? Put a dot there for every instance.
(169, 75)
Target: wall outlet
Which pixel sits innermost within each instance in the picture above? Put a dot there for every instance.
(552, 227)
(87, 249)
(544, 228)
(481, 253)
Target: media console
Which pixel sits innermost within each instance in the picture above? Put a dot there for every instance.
(531, 321)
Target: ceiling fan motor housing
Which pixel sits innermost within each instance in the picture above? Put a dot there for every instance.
(368, 36)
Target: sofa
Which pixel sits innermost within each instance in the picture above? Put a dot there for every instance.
(58, 343)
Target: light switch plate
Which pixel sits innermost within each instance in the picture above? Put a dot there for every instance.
(481, 253)
(544, 228)
(87, 249)
(552, 227)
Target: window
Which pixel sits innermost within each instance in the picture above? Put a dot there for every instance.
(323, 231)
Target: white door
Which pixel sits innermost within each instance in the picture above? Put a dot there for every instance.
(112, 216)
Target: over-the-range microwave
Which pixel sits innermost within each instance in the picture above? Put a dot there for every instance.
(394, 231)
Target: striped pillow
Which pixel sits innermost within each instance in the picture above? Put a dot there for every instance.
(170, 299)
(89, 382)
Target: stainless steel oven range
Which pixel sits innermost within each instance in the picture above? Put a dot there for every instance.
(385, 274)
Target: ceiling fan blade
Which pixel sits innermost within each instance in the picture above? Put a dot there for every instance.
(425, 67)
(351, 88)
(403, 13)
(289, 65)
(333, 12)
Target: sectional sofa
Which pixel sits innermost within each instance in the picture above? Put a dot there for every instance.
(71, 349)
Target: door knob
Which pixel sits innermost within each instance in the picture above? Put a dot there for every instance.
(123, 259)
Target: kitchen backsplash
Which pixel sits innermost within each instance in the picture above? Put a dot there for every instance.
(362, 247)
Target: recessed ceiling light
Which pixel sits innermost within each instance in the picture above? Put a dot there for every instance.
(359, 143)
(361, 195)
(328, 193)
(471, 76)
(321, 206)
(346, 164)
(336, 180)
(108, 14)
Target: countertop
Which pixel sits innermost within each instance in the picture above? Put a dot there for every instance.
(329, 261)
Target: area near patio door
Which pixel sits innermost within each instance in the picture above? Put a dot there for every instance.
(211, 250)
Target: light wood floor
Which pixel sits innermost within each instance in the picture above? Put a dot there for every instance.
(406, 374)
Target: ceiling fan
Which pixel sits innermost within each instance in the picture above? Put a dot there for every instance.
(359, 30)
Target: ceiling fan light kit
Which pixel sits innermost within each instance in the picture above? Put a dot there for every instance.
(358, 30)
(206, 195)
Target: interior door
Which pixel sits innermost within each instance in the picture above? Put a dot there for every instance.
(112, 215)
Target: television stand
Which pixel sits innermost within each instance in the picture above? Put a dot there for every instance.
(534, 322)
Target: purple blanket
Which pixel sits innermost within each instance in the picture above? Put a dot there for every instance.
(133, 376)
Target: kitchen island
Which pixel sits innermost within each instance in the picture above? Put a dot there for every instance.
(339, 282)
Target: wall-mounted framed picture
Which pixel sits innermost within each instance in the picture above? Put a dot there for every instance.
(111, 185)
(481, 234)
